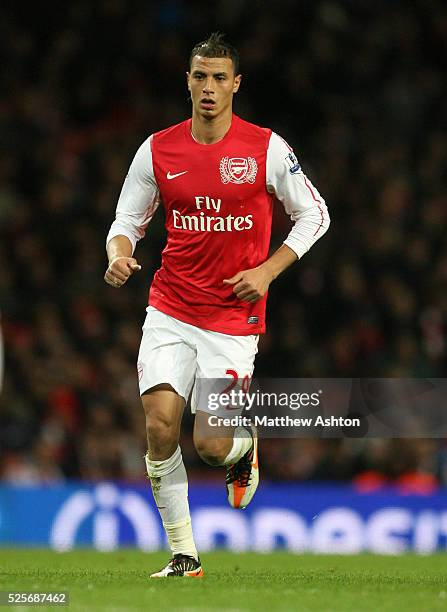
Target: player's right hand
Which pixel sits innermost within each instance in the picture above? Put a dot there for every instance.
(119, 270)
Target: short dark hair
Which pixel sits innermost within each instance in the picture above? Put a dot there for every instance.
(216, 46)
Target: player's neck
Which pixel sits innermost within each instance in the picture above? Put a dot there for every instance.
(209, 131)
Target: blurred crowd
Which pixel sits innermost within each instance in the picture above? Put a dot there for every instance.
(357, 87)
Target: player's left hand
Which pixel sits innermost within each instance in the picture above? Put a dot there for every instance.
(250, 285)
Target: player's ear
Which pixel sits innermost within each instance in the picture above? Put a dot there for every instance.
(237, 82)
(188, 76)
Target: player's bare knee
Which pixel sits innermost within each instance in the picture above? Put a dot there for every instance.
(212, 450)
(163, 411)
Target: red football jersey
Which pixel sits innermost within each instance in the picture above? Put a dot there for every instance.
(218, 201)
(218, 219)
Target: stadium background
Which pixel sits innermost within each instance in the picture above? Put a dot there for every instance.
(358, 88)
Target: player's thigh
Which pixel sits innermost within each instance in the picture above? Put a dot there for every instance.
(225, 366)
(226, 362)
(166, 356)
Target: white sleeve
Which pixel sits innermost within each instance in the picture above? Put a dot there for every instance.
(139, 198)
(299, 197)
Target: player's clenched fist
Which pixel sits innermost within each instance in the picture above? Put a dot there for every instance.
(250, 285)
(119, 270)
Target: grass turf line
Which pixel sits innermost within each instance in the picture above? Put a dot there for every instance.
(248, 581)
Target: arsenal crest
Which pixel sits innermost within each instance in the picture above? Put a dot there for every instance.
(238, 170)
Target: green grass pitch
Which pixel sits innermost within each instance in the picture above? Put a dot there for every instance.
(232, 582)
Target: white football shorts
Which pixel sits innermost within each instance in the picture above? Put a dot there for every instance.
(179, 354)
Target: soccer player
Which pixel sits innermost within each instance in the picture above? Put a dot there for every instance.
(217, 178)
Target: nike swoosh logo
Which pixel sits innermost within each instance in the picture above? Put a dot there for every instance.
(170, 176)
(255, 463)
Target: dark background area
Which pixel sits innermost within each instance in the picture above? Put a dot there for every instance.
(358, 88)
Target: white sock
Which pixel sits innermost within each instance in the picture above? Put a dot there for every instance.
(242, 443)
(170, 488)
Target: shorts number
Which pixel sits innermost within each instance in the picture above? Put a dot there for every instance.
(233, 383)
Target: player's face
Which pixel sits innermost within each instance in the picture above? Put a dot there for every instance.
(212, 84)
